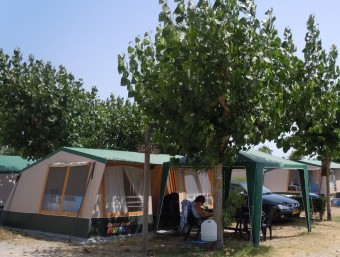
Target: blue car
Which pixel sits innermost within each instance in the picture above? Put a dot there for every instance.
(287, 207)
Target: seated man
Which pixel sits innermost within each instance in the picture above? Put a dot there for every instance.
(197, 209)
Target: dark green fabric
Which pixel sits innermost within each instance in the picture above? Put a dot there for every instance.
(69, 226)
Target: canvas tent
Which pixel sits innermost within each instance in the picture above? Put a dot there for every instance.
(316, 165)
(10, 168)
(83, 192)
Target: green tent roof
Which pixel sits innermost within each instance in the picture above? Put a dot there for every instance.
(114, 155)
(13, 164)
(268, 160)
(317, 163)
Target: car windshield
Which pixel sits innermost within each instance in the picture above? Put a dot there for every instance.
(265, 191)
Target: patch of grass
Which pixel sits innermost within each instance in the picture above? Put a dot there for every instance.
(243, 249)
(233, 248)
(336, 218)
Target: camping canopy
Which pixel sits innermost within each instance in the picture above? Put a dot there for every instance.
(256, 164)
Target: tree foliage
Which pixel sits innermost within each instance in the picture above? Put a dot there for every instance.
(117, 125)
(265, 149)
(214, 81)
(314, 105)
(43, 108)
(295, 155)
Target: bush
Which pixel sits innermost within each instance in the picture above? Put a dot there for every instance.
(233, 203)
(317, 204)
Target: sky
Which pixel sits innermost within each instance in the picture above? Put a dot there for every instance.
(86, 36)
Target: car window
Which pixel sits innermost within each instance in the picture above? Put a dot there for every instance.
(244, 188)
(265, 191)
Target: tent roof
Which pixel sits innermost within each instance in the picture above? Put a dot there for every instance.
(267, 160)
(13, 164)
(317, 163)
(114, 155)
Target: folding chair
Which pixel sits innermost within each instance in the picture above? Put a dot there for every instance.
(242, 220)
(193, 222)
(267, 223)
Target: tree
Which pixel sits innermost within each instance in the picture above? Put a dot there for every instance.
(43, 108)
(112, 124)
(40, 106)
(314, 105)
(124, 125)
(295, 155)
(211, 83)
(265, 149)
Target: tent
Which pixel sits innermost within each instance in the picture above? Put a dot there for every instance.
(316, 165)
(10, 168)
(256, 164)
(83, 192)
(189, 184)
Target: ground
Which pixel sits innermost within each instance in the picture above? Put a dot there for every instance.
(289, 239)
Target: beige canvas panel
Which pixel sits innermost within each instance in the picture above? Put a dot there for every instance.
(276, 180)
(92, 191)
(30, 190)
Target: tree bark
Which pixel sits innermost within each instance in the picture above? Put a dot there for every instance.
(326, 165)
(218, 203)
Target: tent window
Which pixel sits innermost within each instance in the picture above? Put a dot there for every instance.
(294, 183)
(124, 190)
(64, 190)
(198, 183)
(75, 189)
(54, 189)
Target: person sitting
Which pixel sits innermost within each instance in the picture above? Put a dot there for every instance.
(197, 209)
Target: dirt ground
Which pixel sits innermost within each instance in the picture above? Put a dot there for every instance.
(289, 239)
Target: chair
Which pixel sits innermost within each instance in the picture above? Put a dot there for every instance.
(242, 220)
(267, 223)
(193, 222)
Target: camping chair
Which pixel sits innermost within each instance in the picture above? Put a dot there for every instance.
(193, 222)
(267, 223)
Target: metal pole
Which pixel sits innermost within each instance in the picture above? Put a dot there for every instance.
(146, 190)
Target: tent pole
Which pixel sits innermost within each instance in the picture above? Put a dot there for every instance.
(146, 189)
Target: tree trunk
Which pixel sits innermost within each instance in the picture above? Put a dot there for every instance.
(218, 204)
(326, 163)
(146, 191)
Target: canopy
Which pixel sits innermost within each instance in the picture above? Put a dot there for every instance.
(256, 164)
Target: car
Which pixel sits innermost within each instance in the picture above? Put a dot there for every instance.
(287, 207)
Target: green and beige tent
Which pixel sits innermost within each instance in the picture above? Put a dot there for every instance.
(10, 168)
